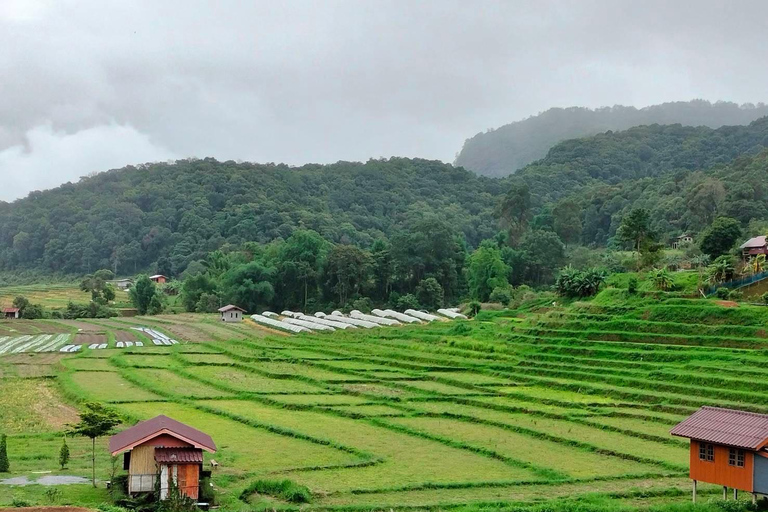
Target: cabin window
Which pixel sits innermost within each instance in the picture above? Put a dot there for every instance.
(736, 457)
(707, 452)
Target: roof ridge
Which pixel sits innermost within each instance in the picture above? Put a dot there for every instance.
(736, 411)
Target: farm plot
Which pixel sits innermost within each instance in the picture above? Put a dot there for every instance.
(421, 417)
(33, 343)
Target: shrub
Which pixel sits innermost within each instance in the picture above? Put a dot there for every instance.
(735, 295)
(19, 503)
(408, 301)
(632, 285)
(579, 283)
(64, 455)
(283, 489)
(722, 292)
(363, 304)
(430, 293)
(661, 279)
(5, 466)
(473, 308)
(501, 295)
(764, 297)
(52, 495)
(460, 329)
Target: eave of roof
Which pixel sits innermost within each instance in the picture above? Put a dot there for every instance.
(730, 427)
(157, 426)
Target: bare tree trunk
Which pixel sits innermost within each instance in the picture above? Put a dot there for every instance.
(93, 460)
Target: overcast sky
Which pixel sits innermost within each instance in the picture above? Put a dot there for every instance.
(89, 85)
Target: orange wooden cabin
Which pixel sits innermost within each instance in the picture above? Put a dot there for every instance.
(166, 449)
(728, 447)
(159, 279)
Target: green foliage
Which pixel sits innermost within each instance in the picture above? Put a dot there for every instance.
(52, 495)
(661, 279)
(580, 283)
(194, 288)
(363, 304)
(407, 301)
(95, 421)
(764, 297)
(283, 489)
(722, 292)
(347, 271)
(473, 308)
(506, 149)
(176, 501)
(430, 294)
(5, 465)
(720, 270)
(64, 454)
(541, 254)
(720, 237)
(635, 229)
(142, 293)
(502, 295)
(248, 286)
(632, 285)
(486, 271)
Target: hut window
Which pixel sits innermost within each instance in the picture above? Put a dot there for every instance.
(736, 457)
(707, 452)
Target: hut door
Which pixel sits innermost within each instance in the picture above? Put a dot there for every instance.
(181, 482)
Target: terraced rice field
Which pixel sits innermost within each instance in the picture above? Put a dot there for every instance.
(508, 408)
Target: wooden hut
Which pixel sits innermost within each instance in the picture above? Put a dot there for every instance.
(728, 448)
(231, 313)
(11, 313)
(166, 449)
(159, 279)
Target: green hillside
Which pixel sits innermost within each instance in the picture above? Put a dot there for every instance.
(504, 150)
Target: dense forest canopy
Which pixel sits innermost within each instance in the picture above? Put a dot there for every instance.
(162, 217)
(503, 151)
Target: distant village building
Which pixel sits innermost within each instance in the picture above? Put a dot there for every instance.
(231, 313)
(682, 240)
(754, 246)
(122, 284)
(159, 279)
(165, 449)
(11, 313)
(728, 448)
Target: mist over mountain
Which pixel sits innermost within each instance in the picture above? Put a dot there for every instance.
(504, 150)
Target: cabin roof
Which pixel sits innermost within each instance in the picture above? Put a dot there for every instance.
(11, 310)
(157, 276)
(731, 427)
(179, 455)
(230, 307)
(159, 425)
(757, 241)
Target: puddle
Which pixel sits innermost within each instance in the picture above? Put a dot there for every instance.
(46, 480)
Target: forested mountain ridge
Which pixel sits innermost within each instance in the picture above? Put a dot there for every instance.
(129, 219)
(161, 217)
(503, 151)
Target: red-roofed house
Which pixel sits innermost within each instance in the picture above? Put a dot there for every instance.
(728, 447)
(754, 246)
(12, 313)
(165, 448)
(231, 313)
(159, 279)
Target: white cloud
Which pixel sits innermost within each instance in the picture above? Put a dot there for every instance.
(49, 156)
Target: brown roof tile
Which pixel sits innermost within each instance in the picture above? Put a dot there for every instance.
(146, 430)
(179, 455)
(730, 427)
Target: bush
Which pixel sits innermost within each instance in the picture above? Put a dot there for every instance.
(632, 285)
(283, 489)
(473, 308)
(579, 283)
(764, 297)
(408, 301)
(460, 329)
(722, 292)
(501, 295)
(363, 304)
(735, 295)
(5, 466)
(20, 503)
(661, 279)
(429, 293)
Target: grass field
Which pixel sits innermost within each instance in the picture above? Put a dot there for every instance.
(518, 408)
(54, 296)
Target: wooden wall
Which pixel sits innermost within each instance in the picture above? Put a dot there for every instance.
(719, 472)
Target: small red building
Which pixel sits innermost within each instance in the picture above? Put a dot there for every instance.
(12, 313)
(728, 448)
(162, 448)
(159, 279)
(754, 246)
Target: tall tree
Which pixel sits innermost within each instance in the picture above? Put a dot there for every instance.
(249, 285)
(142, 293)
(95, 421)
(636, 228)
(720, 237)
(515, 211)
(567, 221)
(300, 262)
(347, 271)
(486, 271)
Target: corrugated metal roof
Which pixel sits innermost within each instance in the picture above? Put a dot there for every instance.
(730, 427)
(229, 308)
(178, 455)
(149, 429)
(758, 241)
